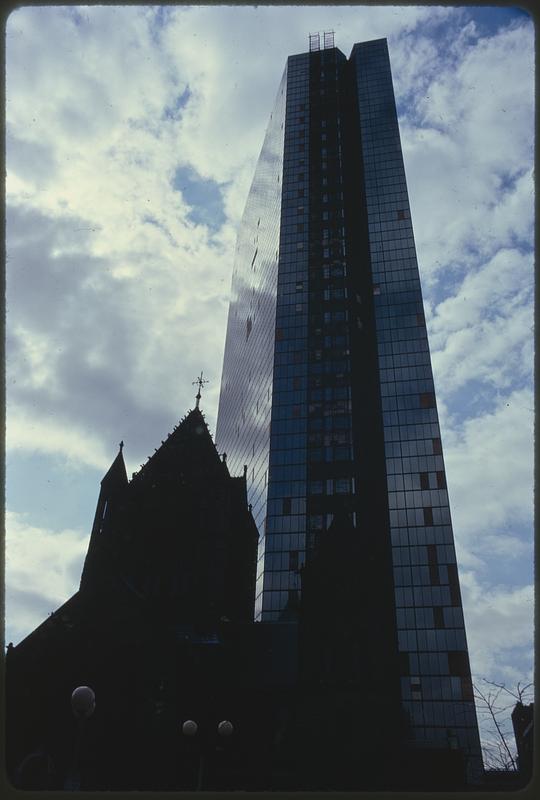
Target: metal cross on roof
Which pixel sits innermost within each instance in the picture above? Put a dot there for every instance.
(200, 382)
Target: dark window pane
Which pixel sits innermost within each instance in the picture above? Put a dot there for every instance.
(428, 515)
(467, 688)
(293, 560)
(427, 400)
(404, 664)
(458, 663)
(454, 585)
(438, 617)
(434, 577)
(441, 480)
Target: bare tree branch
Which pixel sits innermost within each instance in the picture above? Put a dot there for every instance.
(518, 694)
(497, 753)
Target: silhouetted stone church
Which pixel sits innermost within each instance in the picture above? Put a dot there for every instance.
(161, 630)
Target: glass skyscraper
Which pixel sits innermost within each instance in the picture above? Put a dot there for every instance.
(327, 392)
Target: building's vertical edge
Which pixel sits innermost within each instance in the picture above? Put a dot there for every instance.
(243, 423)
(285, 524)
(436, 681)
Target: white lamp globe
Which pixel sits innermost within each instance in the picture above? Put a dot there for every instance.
(189, 727)
(83, 702)
(225, 728)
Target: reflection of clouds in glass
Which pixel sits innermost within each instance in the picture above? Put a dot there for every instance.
(259, 297)
(246, 387)
(246, 390)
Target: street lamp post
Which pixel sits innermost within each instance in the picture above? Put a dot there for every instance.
(83, 704)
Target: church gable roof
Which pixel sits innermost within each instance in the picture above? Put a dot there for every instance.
(189, 449)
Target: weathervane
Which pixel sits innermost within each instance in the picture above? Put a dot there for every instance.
(200, 382)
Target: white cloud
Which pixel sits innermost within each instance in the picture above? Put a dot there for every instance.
(39, 435)
(497, 287)
(490, 351)
(92, 349)
(467, 140)
(484, 331)
(489, 465)
(499, 622)
(487, 92)
(43, 569)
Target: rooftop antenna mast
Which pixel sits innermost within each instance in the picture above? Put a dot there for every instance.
(328, 40)
(315, 41)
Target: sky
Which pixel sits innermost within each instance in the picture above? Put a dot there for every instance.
(132, 135)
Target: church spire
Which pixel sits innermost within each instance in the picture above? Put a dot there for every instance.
(113, 483)
(116, 474)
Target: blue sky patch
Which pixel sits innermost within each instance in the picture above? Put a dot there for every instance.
(75, 16)
(203, 195)
(161, 18)
(511, 571)
(474, 399)
(172, 111)
(490, 19)
(153, 221)
(36, 481)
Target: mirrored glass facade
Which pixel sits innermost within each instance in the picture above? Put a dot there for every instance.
(243, 426)
(327, 391)
(436, 681)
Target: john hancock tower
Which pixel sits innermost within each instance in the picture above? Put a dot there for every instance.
(327, 391)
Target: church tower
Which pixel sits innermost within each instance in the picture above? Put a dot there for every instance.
(179, 533)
